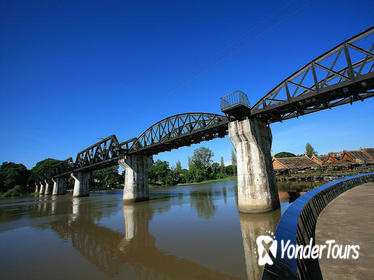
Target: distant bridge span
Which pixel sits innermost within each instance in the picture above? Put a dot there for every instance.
(180, 130)
(170, 133)
(342, 75)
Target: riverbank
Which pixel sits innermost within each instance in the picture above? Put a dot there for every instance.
(320, 176)
(232, 178)
(292, 182)
(16, 192)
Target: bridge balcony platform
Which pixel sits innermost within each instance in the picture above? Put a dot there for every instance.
(236, 104)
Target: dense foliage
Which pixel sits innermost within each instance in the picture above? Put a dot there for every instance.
(41, 168)
(284, 154)
(201, 167)
(15, 179)
(106, 178)
(14, 192)
(13, 174)
(309, 150)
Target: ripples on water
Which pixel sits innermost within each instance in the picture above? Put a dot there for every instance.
(189, 232)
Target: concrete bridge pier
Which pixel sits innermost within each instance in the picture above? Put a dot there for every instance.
(136, 177)
(257, 187)
(59, 186)
(128, 214)
(54, 205)
(136, 218)
(76, 208)
(81, 183)
(48, 188)
(42, 188)
(252, 226)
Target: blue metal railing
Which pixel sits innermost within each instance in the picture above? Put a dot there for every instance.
(298, 225)
(233, 99)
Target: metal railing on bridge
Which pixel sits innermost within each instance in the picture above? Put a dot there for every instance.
(235, 104)
(234, 99)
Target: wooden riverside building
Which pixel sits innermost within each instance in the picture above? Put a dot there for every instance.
(364, 156)
(301, 162)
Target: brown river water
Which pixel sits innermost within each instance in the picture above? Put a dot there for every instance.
(184, 232)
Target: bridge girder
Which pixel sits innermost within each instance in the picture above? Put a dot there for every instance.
(342, 75)
(102, 154)
(180, 130)
(63, 168)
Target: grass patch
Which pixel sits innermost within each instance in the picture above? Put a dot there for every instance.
(232, 178)
(17, 191)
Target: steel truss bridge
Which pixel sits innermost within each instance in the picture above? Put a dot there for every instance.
(342, 75)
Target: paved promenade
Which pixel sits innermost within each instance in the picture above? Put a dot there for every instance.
(349, 219)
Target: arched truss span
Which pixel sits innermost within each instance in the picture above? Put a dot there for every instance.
(342, 75)
(101, 154)
(180, 130)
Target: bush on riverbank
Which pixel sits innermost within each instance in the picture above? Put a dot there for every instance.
(11, 175)
(201, 169)
(16, 179)
(230, 178)
(14, 192)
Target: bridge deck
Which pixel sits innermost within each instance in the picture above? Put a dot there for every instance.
(349, 219)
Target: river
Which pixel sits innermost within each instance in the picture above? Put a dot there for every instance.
(183, 232)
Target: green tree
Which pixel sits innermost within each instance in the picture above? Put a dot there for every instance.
(172, 177)
(178, 166)
(189, 163)
(233, 161)
(215, 171)
(185, 176)
(169, 180)
(201, 163)
(202, 157)
(42, 168)
(106, 177)
(198, 174)
(12, 174)
(284, 154)
(222, 167)
(160, 173)
(176, 172)
(309, 150)
(229, 170)
(1, 183)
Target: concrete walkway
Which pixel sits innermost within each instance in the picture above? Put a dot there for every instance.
(349, 219)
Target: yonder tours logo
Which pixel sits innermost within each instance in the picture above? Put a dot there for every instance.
(330, 250)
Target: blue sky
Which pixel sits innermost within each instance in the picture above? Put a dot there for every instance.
(73, 71)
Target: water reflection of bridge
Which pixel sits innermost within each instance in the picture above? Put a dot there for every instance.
(108, 250)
